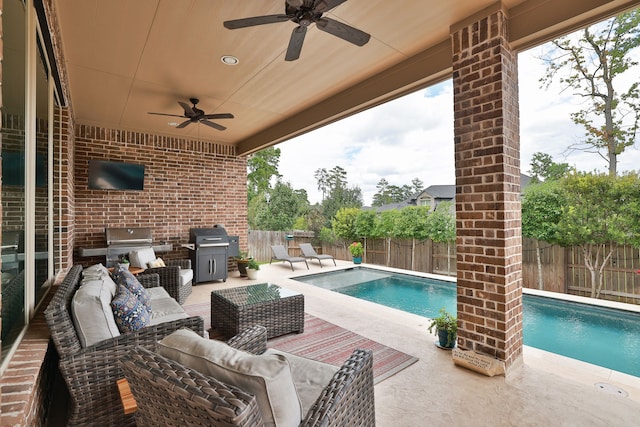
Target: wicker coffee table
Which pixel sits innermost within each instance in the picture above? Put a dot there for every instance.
(279, 310)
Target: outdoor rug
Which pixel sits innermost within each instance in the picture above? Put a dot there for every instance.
(329, 343)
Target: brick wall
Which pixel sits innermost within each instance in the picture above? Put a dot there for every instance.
(487, 156)
(187, 184)
(28, 380)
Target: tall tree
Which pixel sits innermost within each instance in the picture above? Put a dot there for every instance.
(322, 177)
(543, 168)
(591, 65)
(262, 166)
(417, 185)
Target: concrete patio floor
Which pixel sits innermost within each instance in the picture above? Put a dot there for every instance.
(547, 390)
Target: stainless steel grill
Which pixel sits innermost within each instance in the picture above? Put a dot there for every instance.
(121, 241)
(209, 252)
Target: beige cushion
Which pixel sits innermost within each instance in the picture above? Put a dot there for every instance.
(92, 314)
(266, 377)
(158, 262)
(310, 377)
(165, 310)
(142, 257)
(186, 275)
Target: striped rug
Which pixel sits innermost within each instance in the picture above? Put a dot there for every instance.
(329, 343)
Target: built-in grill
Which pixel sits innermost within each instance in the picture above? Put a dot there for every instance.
(209, 252)
(121, 241)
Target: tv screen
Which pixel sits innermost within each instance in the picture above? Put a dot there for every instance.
(106, 175)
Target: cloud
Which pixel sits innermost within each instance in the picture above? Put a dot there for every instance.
(412, 137)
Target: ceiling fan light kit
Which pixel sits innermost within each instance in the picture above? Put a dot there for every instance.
(305, 13)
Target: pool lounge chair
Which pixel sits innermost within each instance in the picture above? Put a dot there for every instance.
(310, 253)
(280, 254)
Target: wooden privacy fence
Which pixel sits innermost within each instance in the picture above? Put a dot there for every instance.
(563, 269)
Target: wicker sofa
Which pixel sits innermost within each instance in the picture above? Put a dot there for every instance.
(167, 390)
(91, 372)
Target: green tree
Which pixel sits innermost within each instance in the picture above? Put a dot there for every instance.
(262, 167)
(388, 193)
(541, 212)
(280, 211)
(599, 211)
(591, 65)
(340, 195)
(543, 168)
(442, 227)
(344, 224)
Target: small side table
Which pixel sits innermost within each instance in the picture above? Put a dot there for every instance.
(279, 310)
(134, 270)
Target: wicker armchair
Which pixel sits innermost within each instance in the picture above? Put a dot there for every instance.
(168, 391)
(91, 372)
(170, 278)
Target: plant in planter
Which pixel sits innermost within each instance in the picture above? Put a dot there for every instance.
(252, 269)
(357, 250)
(242, 261)
(446, 326)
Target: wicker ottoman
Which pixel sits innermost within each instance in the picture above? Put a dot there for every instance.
(279, 310)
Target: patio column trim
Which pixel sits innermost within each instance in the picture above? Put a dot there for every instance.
(488, 217)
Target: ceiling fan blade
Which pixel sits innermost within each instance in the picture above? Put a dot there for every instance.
(344, 31)
(183, 124)
(256, 20)
(169, 115)
(325, 5)
(218, 116)
(188, 111)
(212, 124)
(295, 43)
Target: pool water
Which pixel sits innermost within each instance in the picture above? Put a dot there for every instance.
(597, 335)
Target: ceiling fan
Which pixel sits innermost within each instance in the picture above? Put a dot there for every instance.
(304, 13)
(196, 115)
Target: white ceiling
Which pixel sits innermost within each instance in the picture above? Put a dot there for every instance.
(127, 58)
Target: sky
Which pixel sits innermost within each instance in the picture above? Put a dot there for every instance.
(412, 137)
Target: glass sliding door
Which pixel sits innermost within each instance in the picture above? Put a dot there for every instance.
(13, 171)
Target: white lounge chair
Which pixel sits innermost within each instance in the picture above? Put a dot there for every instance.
(310, 253)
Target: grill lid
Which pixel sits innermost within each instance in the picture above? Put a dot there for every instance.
(201, 236)
(128, 236)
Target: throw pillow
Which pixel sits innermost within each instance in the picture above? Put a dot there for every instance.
(266, 377)
(141, 257)
(129, 312)
(128, 280)
(157, 263)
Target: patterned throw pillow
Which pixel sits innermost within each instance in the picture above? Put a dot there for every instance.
(129, 281)
(129, 312)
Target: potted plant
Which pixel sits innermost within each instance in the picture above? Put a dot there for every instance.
(242, 260)
(252, 269)
(446, 326)
(357, 250)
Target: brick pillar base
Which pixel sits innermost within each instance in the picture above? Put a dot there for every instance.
(487, 156)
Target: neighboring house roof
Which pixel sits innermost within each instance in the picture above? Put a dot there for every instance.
(437, 192)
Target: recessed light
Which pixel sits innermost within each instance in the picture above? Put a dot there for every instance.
(173, 124)
(229, 60)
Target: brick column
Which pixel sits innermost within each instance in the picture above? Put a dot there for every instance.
(488, 219)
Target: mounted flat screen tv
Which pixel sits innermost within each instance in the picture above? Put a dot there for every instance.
(106, 175)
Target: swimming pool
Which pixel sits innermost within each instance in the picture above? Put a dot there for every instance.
(598, 335)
